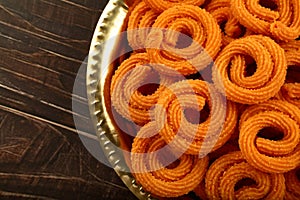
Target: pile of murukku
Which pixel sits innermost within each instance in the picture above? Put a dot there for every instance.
(212, 89)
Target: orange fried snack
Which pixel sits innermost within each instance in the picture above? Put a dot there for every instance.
(220, 10)
(290, 91)
(126, 98)
(224, 180)
(194, 30)
(150, 164)
(140, 20)
(232, 28)
(262, 152)
(279, 19)
(235, 138)
(200, 136)
(292, 181)
(162, 5)
(231, 69)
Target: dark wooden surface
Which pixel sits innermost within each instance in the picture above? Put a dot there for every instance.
(42, 45)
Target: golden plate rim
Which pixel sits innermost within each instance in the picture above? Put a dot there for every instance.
(108, 24)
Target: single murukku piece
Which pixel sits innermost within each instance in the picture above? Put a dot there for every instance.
(230, 26)
(290, 91)
(185, 38)
(126, 97)
(140, 21)
(292, 181)
(278, 150)
(194, 118)
(278, 19)
(251, 69)
(231, 177)
(162, 5)
(150, 161)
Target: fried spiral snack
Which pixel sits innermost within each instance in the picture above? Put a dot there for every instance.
(265, 154)
(220, 10)
(226, 173)
(290, 91)
(140, 20)
(292, 181)
(233, 29)
(230, 69)
(175, 25)
(125, 96)
(197, 138)
(282, 23)
(221, 116)
(162, 5)
(147, 163)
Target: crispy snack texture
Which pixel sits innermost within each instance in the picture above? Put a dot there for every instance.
(212, 88)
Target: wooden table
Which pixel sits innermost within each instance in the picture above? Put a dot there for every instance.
(42, 45)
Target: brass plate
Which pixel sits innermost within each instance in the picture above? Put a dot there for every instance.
(101, 55)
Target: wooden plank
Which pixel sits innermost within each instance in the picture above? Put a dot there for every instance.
(46, 16)
(39, 67)
(37, 99)
(43, 160)
(42, 45)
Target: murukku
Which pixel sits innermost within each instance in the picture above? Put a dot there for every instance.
(292, 181)
(280, 19)
(232, 28)
(126, 98)
(220, 10)
(151, 171)
(216, 93)
(200, 136)
(231, 177)
(290, 91)
(192, 27)
(273, 153)
(232, 71)
(140, 20)
(162, 5)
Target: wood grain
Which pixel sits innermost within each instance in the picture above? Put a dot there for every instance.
(43, 43)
